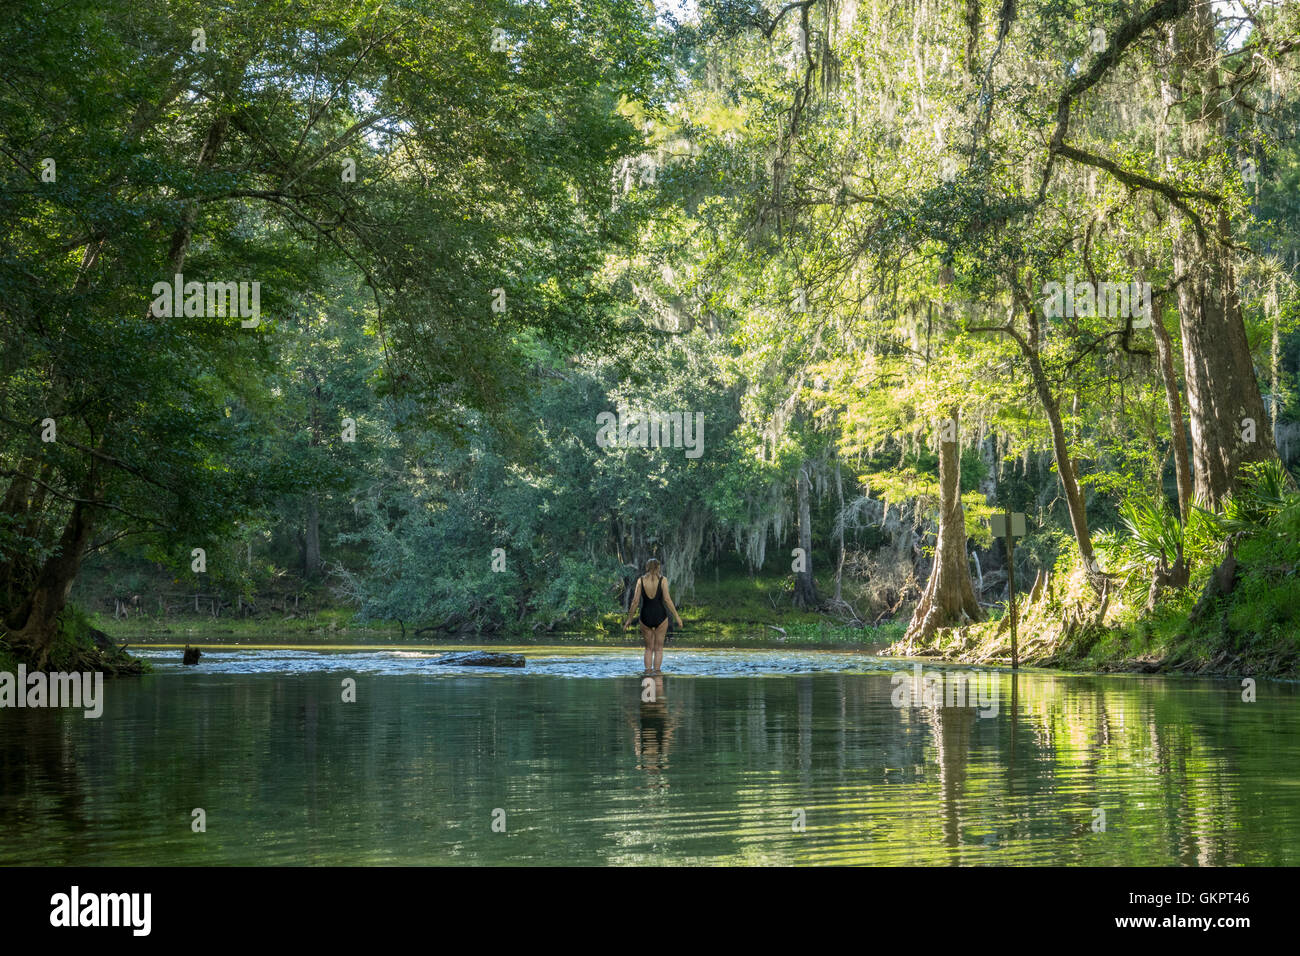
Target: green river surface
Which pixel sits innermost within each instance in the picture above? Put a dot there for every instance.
(743, 757)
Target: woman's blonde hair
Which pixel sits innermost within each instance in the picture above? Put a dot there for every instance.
(652, 566)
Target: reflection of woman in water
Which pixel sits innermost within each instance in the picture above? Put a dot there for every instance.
(652, 593)
(655, 734)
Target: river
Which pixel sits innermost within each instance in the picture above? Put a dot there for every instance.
(734, 757)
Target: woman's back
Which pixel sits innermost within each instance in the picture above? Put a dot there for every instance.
(659, 587)
(653, 610)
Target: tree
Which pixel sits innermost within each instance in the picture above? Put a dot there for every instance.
(949, 598)
(262, 148)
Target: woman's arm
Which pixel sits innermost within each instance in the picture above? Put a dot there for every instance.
(631, 608)
(668, 601)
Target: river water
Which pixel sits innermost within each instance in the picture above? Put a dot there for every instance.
(734, 757)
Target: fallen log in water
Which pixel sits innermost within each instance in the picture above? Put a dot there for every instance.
(481, 659)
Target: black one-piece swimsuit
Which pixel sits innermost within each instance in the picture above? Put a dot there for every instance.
(653, 612)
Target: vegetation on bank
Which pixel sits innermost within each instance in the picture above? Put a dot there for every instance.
(1241, 621)
(1166, 604)
(78, 646)
(1233, 606)
(735, 610)
(334, 634)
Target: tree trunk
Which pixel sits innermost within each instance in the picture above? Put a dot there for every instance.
(1060, 447)
(1274, 363)
(15, 509)
(805, 586)
(311, 560)
(1064, 463)
(1229, 425)
(949, 596)
(632, 551)
(33, 624)
(180, 245)
(839, 568)
(1177, 430)
(989, 455)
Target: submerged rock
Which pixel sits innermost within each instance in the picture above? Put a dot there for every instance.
(481, 659)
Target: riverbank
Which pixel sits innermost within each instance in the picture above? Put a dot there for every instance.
(730, 610)
(80, 647)
(335, 629)
(1251, 632)
(1064, 624)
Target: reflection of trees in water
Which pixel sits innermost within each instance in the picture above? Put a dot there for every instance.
(951, 727)
(804, 691)
(309, 729)
(1163, 758)
(1181, 768)
(40, 777)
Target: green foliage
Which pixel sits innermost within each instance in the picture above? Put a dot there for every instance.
(1269, 490)
(826, 265)
(1156, 532)
(226, 157)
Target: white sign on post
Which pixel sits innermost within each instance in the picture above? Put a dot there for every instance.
(998, 524)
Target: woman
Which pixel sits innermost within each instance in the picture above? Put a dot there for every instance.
(652, 594)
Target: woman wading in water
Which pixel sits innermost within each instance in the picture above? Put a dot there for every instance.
(652, 593)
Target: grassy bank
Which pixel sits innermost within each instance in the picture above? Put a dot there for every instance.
(339, 627)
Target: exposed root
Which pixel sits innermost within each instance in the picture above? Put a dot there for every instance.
(94, 653)
(1051, 630)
